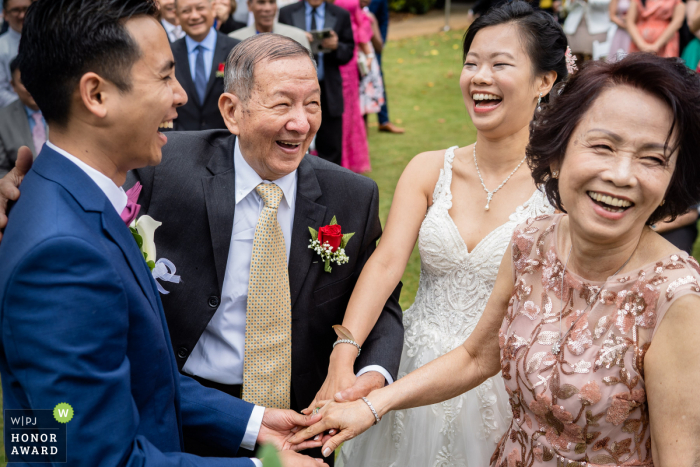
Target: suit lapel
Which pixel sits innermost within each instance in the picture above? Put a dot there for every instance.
(219, 57)
(299, 17)
(330, 18)
(220, 198)
(20, 116)
(307, 213)
(121, 235)
(180, 54)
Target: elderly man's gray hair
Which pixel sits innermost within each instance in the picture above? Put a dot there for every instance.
(240, 65)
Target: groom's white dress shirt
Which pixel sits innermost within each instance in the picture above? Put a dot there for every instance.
(218, 355)
(117, 197)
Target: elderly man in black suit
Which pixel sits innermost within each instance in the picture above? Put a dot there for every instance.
(209, 193)
(311, 15)
(199, 61)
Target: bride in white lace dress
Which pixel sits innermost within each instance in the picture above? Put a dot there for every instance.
(463, 230)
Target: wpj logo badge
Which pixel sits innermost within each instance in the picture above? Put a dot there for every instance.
(37, 435)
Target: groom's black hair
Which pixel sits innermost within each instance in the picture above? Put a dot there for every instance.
(64, 39)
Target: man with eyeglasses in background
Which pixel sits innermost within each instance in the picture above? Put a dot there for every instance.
(13, 11)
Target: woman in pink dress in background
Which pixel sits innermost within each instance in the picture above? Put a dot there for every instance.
(355, 148)
(653, 26)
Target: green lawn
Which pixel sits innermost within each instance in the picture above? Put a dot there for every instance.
(422, 79)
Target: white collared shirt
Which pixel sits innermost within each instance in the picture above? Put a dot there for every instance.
(118, 198)
(174, 32)
(115, 194)
(218, 355)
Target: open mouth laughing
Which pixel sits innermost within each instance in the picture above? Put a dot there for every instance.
(486, 100)
(610, 203)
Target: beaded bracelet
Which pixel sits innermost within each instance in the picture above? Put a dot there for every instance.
(348, 341)
(374, 412)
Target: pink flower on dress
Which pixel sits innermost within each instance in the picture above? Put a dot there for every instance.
(590, 393)
(623, 404)
(560, 430)
(637, 307)
(580, 337)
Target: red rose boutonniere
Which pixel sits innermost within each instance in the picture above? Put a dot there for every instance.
(221, 70)
(329, 242)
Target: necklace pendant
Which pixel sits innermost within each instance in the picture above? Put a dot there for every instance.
(488, 201)
(555, 348)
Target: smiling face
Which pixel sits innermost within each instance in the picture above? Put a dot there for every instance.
(499, 89)
(196, 18)
(167, 11)
(281, 117)
(615, 172)
(264, 12)
(136, 115)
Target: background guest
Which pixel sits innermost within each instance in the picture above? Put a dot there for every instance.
(587, 21)
(265, 14)
(224, 9)
(621, 41)
(380, 10)
(654, 24)
(13, 11)
(170, 21)
(311, 15)
(199, 60)
(372, 84)
(355, 147)
(21, 123)
(691, 52)
(682, 231)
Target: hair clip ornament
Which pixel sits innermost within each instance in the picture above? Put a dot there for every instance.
(570, 61)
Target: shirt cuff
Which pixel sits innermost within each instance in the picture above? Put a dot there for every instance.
(253, 429)
(257, 462)
(378, 369)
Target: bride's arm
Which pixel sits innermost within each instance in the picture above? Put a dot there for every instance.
(384, 269)
(444, 378)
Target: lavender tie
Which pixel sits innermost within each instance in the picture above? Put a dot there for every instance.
(39, 132)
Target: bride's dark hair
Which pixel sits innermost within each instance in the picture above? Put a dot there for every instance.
(544, 40)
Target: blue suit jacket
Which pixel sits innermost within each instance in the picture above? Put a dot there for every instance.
(81, 322)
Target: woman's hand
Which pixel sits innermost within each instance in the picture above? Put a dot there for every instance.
(649, 48)
(349, 419)
(341, 376)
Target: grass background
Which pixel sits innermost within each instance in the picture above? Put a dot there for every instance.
(422, 78)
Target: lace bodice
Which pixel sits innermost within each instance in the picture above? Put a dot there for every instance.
(585, 405)
(455, 284)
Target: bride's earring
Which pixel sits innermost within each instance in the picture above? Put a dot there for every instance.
(555, 174)
(539, 100)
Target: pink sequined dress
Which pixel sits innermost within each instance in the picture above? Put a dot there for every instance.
(587, 405)
(355, 147)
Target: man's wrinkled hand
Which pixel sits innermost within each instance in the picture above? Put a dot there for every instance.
(9, 185)
(330, 43)
(340, 377)
(294, 459)
(364, 384)
(278, 426)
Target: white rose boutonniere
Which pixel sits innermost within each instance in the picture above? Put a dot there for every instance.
(143, 229)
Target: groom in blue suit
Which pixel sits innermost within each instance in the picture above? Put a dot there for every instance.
(81, 321)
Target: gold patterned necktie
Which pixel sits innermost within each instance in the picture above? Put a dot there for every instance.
(267, 363)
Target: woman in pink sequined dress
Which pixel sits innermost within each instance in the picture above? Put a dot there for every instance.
(593, 321)
(355, 147)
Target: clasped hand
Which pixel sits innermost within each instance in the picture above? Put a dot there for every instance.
(346, 419)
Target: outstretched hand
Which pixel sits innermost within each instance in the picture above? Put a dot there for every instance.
(344, 386)
(348, 419)
(9, 184)
(278, 426)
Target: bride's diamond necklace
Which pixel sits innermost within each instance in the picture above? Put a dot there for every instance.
(489, 194)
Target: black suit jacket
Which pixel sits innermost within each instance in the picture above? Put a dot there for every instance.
(192, 193)
(195, 115)
(337, 19)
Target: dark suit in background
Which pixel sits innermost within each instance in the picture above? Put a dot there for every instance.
(14, 133)
(380, 9)
(196, 115)
(329, 139)
(192, 193)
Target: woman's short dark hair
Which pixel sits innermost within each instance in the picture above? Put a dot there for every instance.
(544, 40)
(64, 39)
(666, 78)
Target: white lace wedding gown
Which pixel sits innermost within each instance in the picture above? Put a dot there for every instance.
(455, 285)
